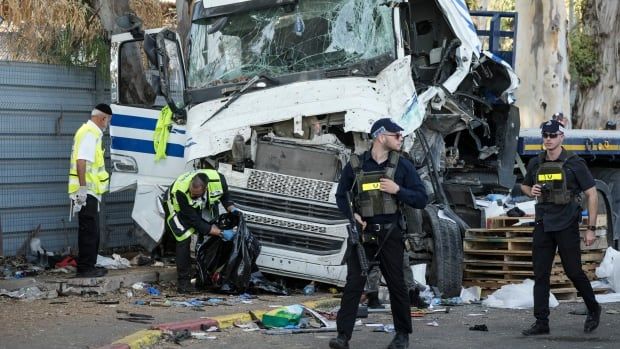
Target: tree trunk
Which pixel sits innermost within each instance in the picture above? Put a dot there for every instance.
(108, 10)
(542, 63)
(596, 105)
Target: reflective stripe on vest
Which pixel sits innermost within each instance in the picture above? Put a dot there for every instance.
(369, 199)
(551, 175)
(97, 178)
(182, 184)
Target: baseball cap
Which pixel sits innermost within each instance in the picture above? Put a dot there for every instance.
(384, 125)
(552, 126)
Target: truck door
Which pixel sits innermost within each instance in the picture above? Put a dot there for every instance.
(147, 75)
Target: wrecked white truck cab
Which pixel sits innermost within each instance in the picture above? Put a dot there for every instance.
(276, 94)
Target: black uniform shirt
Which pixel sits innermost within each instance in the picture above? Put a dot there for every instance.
(578, 179)
(412, 191)
(192, 217)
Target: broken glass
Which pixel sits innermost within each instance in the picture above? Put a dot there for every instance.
(282, 40)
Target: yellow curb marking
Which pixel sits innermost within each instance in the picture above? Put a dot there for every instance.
(225, 321)
(141, 339)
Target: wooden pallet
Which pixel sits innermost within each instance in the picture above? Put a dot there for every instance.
(502, 255)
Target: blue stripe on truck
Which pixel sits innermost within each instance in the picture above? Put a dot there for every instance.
(142, 146)
(131, 121)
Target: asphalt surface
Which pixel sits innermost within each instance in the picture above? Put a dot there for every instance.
(452, 331)
(92, 321)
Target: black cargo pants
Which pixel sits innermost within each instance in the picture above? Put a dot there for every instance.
(390, 260)
(544, 245)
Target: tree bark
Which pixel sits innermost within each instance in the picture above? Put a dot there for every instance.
(542, 63)
(598, 104)
(108, 10)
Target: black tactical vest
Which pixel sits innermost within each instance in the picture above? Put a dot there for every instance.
(370, 200)
(552, 178)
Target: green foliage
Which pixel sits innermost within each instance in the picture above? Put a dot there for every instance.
(584, 65)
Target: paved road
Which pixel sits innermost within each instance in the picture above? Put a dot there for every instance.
(81, 322)
(452, 332)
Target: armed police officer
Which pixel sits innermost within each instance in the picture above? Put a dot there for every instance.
(556, 178)
(185, 201)
(381, 181)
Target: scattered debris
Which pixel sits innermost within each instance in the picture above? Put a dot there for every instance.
(516, 296)
(29, 293)
(385, 328)
(432, 324)
(250, 326)
(283, 316)
(116, 262)
(482, 327)
(202, 335)
(299, 330)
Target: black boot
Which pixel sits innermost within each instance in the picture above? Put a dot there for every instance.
(184, 286)
(373, 300)
(536, 329)
(340, 342)
(415, 300)
(592, 320)
(400, 341)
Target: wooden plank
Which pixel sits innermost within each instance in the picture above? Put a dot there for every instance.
(501, 252)
(498, 263)
(524, 229)
(498, 239)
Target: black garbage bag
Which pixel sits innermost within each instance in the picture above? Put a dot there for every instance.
(227, 265)
(211, 258)
(242, 260)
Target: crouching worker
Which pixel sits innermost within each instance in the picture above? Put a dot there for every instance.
(185, 200)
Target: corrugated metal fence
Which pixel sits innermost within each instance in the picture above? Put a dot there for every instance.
(41, 106)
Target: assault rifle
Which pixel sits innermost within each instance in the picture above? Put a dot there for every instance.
(354, 238)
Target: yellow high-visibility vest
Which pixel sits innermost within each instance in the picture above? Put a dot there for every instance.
(214, 191)
(97, 178)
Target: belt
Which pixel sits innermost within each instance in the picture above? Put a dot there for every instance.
(379, 227)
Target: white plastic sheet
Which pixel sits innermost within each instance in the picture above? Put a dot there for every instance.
(516, 296)
(116, 262)
(610, 268)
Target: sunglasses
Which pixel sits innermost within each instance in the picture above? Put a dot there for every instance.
(396, 135)
(550, 135)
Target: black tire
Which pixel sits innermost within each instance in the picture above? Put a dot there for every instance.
(611, 176)
(604, 207)
(446, 268)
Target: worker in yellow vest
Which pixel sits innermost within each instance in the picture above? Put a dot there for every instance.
(88, 180)
(185, 200)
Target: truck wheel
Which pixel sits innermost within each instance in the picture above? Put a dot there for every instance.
(446, 269)
(604, 207)
(611, 176)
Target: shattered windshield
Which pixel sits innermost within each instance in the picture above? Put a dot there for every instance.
(285, 40)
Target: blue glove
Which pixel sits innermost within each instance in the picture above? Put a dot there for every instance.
(235, 211)
(228, 234)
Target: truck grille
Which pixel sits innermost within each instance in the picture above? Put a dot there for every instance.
(302, 188)
(266, 203)
(293, 236)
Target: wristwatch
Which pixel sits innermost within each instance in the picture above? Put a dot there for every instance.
(591, 227)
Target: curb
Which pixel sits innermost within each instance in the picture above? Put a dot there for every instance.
(145, 338)
(140, 339)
